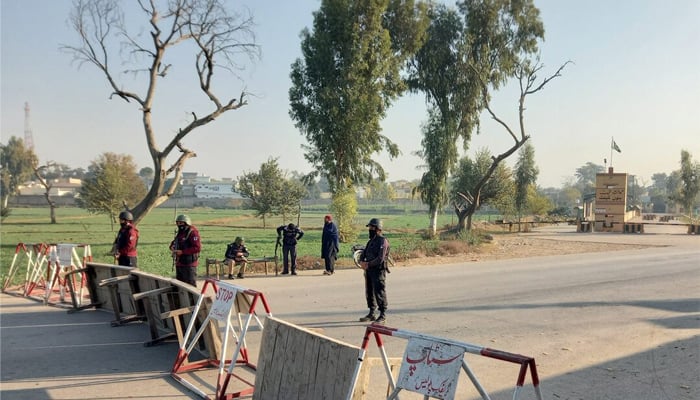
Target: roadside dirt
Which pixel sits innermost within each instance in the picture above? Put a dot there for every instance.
(516, 246)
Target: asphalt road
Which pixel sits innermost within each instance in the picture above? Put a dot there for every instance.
(614, 325)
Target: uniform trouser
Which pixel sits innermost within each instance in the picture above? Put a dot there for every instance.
(289, 252)
(375, 289)
(129, 261)
(186, 274)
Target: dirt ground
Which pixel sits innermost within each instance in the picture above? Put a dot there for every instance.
(517, 246)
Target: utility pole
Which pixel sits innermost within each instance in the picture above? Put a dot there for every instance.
(28, 137)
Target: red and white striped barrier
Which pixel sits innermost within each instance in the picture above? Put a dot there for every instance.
(431, 365)
(229, 299)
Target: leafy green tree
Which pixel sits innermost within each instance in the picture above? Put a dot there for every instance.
(380, 191)
(469, 174)
(16, 166)
(111, 185)
(658, 193)
(438, 71)
(687, 193)
(497, 42)
(537, 203)
(525, 178)
(209, 32)
(270, 193)
(347, 77)
(586, 177)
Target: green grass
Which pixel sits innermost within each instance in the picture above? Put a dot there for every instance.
(217, 228)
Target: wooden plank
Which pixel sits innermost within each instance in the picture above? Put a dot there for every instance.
(268, 374)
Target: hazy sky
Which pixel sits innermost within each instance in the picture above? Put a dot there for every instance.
(635, 76)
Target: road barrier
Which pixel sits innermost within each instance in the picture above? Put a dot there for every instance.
(431, 365)
(51, 272)
(229, 300)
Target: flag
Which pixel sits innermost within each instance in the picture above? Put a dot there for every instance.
(616, 147)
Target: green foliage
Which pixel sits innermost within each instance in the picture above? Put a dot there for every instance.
(17, 164)
(344, 209)
(687, 191)
(112, 183)
(586, 176)
(470, 172)
(270, 193)
(346, 79)
(525, 176)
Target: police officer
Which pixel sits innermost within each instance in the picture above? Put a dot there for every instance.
(289, 234)
(185, 248)
(126, 241)
(374, 262)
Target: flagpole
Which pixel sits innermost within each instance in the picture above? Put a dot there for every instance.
(612, 140)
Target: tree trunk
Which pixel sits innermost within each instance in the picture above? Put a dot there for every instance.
(432, 229)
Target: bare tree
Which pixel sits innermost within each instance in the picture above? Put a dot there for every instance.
(218, 38)
(468, 202)
(40, 172)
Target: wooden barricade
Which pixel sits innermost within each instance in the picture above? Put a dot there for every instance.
(296, 363)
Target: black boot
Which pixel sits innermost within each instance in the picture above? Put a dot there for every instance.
(369, 317)
(381, 319)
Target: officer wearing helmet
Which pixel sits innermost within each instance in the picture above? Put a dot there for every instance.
(289, 234)
(236, 254)
(185, 249)
(374, 262)
(124, 248)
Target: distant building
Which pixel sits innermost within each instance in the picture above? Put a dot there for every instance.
(216, 191)
(59, 187)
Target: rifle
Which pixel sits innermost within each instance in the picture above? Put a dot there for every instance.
(277, 246)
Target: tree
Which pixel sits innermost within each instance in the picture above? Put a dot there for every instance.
(586, 177)
(347, 77)
(112, 185)
(470, 173)
(687, 193)
(525, 178)
(146, 172)
(270, 193)
(217, 39)
(16, 166)
(436, 71)
(497, 42)
(40, 171)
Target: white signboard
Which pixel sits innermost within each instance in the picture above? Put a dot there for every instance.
(65, 254)
(431, 368)
(224, 301)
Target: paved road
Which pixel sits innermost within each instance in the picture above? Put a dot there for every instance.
(623, 324)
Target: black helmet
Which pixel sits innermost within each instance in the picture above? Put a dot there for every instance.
(290, 226)
(126, 215)
(375, 222)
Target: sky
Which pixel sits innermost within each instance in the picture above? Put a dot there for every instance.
(634, 76)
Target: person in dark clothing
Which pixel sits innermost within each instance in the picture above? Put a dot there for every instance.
(374, 262)
(185, 248)
(126, 241)
(329, 244)
(237, 254)
(289, 234)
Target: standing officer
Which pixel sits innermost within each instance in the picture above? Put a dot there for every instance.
(185, 248)
(126, 241)
(374, 262)
(290, 234)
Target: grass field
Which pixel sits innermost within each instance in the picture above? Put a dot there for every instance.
(217, 228)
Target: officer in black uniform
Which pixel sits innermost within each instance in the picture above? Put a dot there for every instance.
(289, 234)
(374, 262)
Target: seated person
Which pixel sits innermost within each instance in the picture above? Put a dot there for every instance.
(236, 254)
